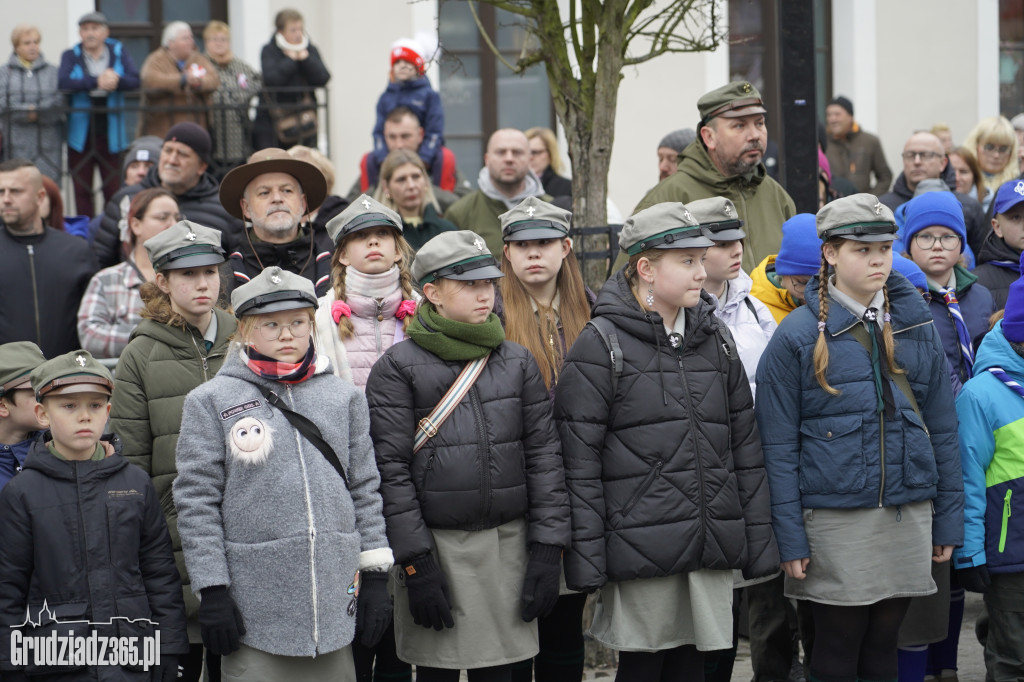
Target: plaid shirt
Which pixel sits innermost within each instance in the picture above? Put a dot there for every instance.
(110, 310)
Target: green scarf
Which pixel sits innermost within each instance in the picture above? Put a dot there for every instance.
(451, 340)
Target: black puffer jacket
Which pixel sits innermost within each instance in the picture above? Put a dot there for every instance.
(89, 540)
(643, 505)
(998, 268)
(494, 460)
(305, 255)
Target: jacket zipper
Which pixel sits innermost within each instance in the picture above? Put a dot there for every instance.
(1006, 521)
(485, 452)
(82, 529)
(648, 482)
(376, 326)
(696, 445)
(202, 358)
(881, 448)
(35, 290)
(312, 533)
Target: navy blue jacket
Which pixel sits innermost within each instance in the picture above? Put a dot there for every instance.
(11, 459)
(976, 305)
(837, 452)
(423, 101)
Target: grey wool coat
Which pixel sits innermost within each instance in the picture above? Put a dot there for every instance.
(261, 510)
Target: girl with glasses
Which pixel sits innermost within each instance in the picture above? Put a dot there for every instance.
(995, 143)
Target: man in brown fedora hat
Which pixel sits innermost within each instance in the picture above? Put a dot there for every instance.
(274, 193)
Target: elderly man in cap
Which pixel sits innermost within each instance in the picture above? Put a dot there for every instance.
(854, 154)
(275, 194)
(183, 170)
(726, 161)
(96, 72)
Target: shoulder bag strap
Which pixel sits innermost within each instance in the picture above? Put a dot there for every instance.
(428, 426)
(308, 429)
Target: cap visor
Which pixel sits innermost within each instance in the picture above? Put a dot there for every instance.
(744, 111)
(728, 235)
(486, 272)
(276, 306)
(688, 243)
(889, 237)
(79, 388)
(1007, 205)
(196, 261)
(538, 233)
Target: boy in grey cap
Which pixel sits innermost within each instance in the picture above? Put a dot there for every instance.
(18, 421)
(84, 549)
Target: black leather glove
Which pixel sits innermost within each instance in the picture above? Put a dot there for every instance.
(220, 621)
(974, 578)
(167, 671)
(429, 600)
(540, 587)
(373, 610)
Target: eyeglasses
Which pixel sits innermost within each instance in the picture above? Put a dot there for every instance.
(1000, 148)
(271, 331)
(538, 152)
(925, 156)
(927, 241)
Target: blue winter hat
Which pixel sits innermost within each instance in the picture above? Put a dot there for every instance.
(909, 269)
(800, 253)
(1013, 315)
(1010, 194)
(935, 208)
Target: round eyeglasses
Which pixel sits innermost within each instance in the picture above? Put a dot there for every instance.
(271, 331)
(927, 241)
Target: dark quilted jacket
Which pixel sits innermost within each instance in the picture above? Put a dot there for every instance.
(494, 460)
(666, 475)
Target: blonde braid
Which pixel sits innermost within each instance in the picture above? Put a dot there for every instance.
(821, 346)
(405, 282)
(887, 340)
(338, 269)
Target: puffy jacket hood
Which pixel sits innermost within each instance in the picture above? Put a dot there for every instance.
(995, 351)
(38, 64)
(176, 337)
(997, 251)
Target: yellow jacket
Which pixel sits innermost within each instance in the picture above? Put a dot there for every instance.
(775, 297)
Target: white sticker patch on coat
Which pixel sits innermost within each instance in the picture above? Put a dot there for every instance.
(251, 441)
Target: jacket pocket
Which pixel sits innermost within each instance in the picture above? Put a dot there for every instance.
(135, 626)
(70, 620)
(919, 467)
(644, 487)
(832, 455)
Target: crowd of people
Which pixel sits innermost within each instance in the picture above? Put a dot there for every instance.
(349, 437)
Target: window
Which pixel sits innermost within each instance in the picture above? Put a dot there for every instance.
(479, 93)
(1011, 57)
(139, 24)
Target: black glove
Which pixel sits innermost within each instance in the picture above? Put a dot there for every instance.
(974, 578)
(429, 600)
(373, 610)
(540, 587)
(220, 621)
(167, 671)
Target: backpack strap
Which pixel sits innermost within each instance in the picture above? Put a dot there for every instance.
(750, 306)
(861, 334)
(606, 329)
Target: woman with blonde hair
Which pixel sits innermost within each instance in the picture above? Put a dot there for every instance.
(995, 143)
(546, 162)
(405, 188)
(29, 122)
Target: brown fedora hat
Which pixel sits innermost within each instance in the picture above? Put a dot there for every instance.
(272, 160)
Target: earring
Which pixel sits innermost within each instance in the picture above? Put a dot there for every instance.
(650, 295)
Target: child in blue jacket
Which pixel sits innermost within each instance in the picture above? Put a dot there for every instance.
(859, 436)
(409, 87)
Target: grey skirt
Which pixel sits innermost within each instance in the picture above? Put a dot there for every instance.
(862, 556)
(485, 571)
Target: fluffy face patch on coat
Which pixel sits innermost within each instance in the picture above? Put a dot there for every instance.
(251, 441)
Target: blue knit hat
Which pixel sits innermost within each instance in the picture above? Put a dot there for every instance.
(1013, 315)
(800, 253)
(909, 269)
(934, 208)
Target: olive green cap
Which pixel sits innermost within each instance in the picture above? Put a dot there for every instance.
(860, 217)
(362, 213)
(184, 245)
(272, 290)
(460, 254)
(733, 100)
(668, 225)
(74, 372)
(534, 219)
(718, 216)
(17, 360)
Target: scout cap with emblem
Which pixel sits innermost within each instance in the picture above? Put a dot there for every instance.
(860, 217)
(272, 290)
(717, 215)
(534, 219)
(184, 245)
(362, 213)
(17, 360)
(733, 100)
(669, 225)
(272, 160)
(461, 255)
(74, 372)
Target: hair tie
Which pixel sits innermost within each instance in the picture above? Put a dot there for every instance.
(821, 325)
(887, 318)
(340, 309)
(405, 309)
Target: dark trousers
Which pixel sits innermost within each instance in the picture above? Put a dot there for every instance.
(380, 663)
(1004, 646)
(95, 156)
(773, 631)
(561, 644)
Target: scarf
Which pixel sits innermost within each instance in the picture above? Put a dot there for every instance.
(285, 45)
(963, 336)
(451, 340)
(283, 372)
(531, 188)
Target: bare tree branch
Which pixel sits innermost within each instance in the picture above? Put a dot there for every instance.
(487, 39)
(523, 9)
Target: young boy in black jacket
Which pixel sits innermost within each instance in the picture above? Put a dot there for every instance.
(84, 549)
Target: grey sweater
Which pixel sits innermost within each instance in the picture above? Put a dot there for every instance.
(261, 510)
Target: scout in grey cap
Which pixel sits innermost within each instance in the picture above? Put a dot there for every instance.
(669, 225)
(74, 372)
(272, 290)
(717, 215)
(534, 219)
(860, 217)
(184, 245)
(732, 100)
(17, 360)
(362, 213)
(461, 255)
